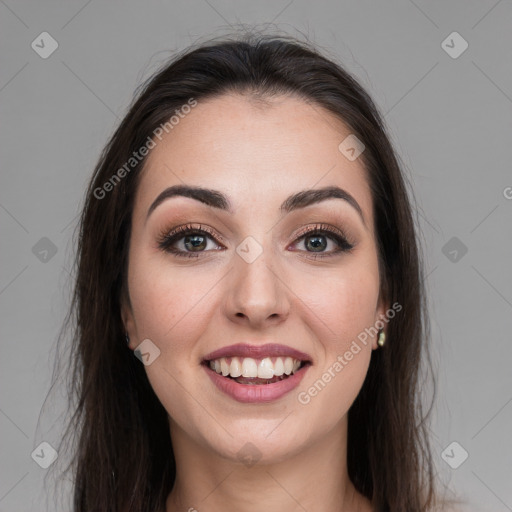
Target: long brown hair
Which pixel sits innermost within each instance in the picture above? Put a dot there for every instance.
(123, 458)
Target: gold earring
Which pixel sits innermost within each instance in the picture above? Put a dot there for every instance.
(382, 339)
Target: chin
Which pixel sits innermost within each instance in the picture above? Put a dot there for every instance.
(268, 441)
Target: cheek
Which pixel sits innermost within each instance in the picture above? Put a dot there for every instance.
(341, 304)
(330, 388)
(168, 300)
(171, 308)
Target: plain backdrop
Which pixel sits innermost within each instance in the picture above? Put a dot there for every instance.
(441, 74)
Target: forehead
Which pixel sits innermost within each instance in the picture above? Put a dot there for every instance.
(256, 153)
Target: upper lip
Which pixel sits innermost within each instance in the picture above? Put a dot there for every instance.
(257, 352)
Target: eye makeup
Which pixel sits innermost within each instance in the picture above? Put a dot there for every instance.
(194, 240)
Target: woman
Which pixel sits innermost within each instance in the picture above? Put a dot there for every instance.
(249, 309)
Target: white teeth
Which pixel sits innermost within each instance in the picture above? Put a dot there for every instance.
(279, 367)
(265, 369)
(224, 368)
(235, 369)
(249, 367)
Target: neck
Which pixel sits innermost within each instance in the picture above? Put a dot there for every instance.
(316, 478)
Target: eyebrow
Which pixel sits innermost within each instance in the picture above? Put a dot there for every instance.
(217, 199)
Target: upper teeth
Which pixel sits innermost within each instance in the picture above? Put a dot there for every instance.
(248, 367)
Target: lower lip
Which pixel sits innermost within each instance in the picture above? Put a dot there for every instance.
(258, 393)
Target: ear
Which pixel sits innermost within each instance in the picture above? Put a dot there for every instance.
(380, 314)
(128, 318)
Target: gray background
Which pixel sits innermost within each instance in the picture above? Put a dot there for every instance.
(449, 118)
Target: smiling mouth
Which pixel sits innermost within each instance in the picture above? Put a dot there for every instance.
(255, 372)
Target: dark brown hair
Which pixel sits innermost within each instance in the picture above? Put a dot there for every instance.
(123, 458)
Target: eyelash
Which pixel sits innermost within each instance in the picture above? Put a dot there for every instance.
(166, 240)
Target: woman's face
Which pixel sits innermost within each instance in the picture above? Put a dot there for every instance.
(254, 278)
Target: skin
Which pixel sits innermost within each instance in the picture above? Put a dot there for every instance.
(257, 155)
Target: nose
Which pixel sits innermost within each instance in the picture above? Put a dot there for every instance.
(257, 295)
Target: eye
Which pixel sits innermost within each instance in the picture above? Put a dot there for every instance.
(316, 240)
(188, 241)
